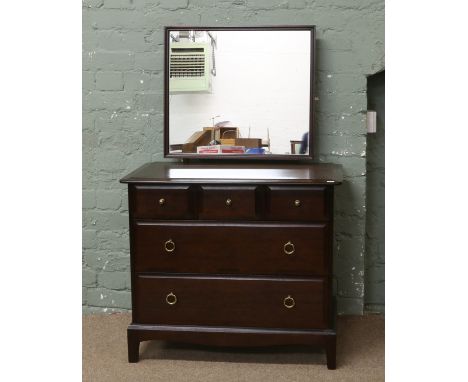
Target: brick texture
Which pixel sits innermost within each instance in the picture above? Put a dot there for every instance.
(122, 119)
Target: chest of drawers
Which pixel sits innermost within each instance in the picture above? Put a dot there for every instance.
(238, 255)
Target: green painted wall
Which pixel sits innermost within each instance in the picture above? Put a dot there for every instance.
(375, 190)
(123, 105)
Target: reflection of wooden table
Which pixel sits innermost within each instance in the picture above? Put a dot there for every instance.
(225, 135)
(175, 147)
(249, 142)
(234, 255)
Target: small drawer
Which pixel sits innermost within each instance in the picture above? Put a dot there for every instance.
(224, 202)
(162, 202)
(238, 302)
(207, 248)
(297, 203)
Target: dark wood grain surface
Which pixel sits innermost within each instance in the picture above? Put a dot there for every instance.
(218, 301)
(297, 203)
(231, 265)
(230, 202)
(163, 202)
(232, 248)
(227, 202)
(164, 172)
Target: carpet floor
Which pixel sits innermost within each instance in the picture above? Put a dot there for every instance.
(360, 356)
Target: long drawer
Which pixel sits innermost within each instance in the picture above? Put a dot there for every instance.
(241, 302)
(262, 248)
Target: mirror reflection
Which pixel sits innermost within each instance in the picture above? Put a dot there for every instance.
(239, 92)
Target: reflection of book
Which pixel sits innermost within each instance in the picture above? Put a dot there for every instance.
(221, 149)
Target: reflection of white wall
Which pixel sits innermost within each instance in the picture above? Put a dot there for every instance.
(262, 81)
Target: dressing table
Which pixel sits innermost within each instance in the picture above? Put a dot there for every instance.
(237, 252)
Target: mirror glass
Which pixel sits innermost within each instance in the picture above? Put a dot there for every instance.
(239, 92)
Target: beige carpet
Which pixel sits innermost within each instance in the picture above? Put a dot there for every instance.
(360, 356)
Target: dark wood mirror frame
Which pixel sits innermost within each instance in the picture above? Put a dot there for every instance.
(269, 157)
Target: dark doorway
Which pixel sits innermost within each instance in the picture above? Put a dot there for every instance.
(375, 191)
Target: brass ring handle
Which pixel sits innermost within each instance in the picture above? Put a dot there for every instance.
(169, 246)
(171, 299)
(297, 202)
(228, 202)
(289, 302)
(162, 201)
(289, 248)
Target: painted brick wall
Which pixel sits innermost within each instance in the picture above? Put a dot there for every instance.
(123, 105)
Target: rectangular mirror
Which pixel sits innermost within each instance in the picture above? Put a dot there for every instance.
(239, 93)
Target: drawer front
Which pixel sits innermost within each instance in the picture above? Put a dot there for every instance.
(162, 202)
(242, 302)
(297, 203)
(230, 203)
(262, 248)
